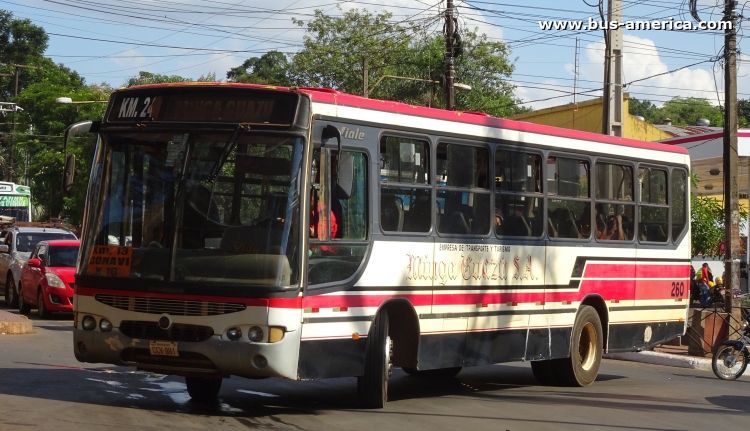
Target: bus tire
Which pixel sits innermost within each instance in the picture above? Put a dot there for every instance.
(203, 389)
(544, 372)
(586, 348)
(439, 373)
(372, 386)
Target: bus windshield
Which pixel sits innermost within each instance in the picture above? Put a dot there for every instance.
(208, 208)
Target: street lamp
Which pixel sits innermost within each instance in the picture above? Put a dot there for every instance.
(464, 88)
(69, 101)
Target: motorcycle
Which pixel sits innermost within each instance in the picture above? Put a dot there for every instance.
(730, 360)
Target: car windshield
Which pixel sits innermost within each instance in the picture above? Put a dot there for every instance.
(26, 241)
(202, 207)
(63, 256)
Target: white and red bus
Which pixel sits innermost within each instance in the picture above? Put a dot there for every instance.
(260, 231)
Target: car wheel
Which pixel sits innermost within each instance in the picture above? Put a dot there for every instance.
(41, 308)
(23, 307)
(11, 295)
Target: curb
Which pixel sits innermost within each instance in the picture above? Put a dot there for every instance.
(15, 324)
(656, 358)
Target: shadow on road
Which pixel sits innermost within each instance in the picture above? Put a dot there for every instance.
(734, 402)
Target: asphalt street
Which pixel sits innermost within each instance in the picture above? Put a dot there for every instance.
(43, 387)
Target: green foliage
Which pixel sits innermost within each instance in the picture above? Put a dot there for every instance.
(145, 78)
(21, 42)
(271, 68)
(644, 108)
(707, 223)
(335, 48)
(683, 111)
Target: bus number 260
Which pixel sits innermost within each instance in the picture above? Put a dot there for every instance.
(678, 289)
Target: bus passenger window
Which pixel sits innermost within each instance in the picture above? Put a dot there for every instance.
(614, 214)
(463, 189)
(405, 191)
(519, 207)
(568, 205)
(653, 223)
(679, 202)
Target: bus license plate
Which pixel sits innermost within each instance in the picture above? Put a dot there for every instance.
(163, 348)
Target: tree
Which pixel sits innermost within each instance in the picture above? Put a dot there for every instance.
(270, 68)
(21, 42)
(40, 155)
(336, 47)
(683, 111)
(643, 108)
(707, 223)
(146, 78)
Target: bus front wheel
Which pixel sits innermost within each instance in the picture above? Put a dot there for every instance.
(372, 386)
(586, 348)
(202, 389)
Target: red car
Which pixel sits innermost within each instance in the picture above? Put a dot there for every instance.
(46, 281)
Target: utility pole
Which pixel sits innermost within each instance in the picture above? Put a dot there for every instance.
(731, 169)
(365, 77)
(575, 83)
(450, 103)
(612, 100)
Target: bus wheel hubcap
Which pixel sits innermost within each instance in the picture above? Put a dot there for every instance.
(587, 346)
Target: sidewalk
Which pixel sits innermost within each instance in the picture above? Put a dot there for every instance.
(14, 324)
(673, 356)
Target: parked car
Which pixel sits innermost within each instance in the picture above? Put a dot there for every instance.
(47, 278)
(16, 243)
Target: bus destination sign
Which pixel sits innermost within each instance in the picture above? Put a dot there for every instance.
(216, 106)
(14, 201)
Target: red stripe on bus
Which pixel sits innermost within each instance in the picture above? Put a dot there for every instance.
(635, 270)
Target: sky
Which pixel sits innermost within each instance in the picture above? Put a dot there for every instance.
(112, 40)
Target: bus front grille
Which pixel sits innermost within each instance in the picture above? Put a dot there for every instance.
(178, 331)
(174, 307)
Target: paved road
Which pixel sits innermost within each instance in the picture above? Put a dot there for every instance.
(43, 387)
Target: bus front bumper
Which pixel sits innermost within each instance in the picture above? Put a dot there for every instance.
(213, 357)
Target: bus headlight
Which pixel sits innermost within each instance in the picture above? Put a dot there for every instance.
(105, 325)
(89, 323)
(234, 333)
(255, 334)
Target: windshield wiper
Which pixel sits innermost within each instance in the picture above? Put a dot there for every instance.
(228, 147)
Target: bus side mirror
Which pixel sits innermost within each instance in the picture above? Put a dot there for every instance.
(70, 167)
(70, 162)
(331, 132)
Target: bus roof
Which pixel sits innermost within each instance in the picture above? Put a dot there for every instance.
(335, 97)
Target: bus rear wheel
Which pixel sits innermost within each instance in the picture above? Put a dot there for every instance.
(586, 348)
(372, 386)
(202, 389)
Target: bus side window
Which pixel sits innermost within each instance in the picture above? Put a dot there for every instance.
(463, 189)
(568, 201)
(614, 212)
(519, 207)
(339, 257)
(405, 191)
(653, 209)
(679, 202)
